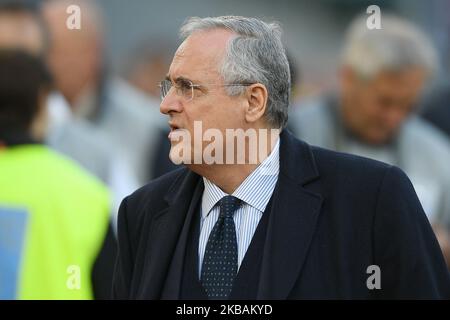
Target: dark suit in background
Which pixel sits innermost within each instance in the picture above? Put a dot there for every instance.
(436, 109)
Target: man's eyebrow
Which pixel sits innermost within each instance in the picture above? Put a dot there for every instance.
(180, 78)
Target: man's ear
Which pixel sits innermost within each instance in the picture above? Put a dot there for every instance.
(257, 102)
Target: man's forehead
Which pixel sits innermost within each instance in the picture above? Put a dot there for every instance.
(215, 39)
(203, 50)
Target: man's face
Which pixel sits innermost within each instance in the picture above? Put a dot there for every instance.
(198, 59)
(74, 56)
(375, 109)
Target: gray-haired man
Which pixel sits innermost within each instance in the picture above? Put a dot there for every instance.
(297, 222)
(383, 73)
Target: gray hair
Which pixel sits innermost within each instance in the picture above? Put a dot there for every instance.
(398, 45)
(255, 55)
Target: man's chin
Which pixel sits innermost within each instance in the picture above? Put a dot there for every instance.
(380, 139)
(176, 134)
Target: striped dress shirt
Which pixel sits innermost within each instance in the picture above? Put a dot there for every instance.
(254, 192)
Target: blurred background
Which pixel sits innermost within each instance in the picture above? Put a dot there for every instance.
(313, 31)
(80, 126)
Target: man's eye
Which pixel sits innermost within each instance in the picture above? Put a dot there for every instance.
(185, 85)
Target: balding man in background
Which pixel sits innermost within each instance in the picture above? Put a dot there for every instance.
(124, 114)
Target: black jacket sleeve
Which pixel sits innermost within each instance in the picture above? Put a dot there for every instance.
(103, 268)
(405, 248)
(124, 261)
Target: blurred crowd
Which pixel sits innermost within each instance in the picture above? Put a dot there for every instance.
(77, 137)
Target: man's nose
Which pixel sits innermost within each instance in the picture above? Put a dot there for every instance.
(171, 103)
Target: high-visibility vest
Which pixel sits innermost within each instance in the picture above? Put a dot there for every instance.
(67, 215)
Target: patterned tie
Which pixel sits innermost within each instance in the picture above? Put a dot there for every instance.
(220, 261)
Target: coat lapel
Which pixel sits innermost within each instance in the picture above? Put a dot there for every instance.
(171, 290)
(167, 229)
(292, 222)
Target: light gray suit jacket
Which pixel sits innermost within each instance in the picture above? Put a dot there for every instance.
(420, 150)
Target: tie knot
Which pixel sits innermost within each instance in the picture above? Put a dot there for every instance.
(228, 205)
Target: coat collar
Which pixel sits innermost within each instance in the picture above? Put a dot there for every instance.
(293, 219)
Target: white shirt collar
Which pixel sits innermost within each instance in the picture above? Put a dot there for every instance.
(256, 190)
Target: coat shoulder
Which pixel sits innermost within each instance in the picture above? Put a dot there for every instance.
(334, 163)
(356, 175)
(157, 189)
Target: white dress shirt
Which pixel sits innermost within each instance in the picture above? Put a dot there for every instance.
(254, 192)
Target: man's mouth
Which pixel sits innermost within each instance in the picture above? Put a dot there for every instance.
(173, 128)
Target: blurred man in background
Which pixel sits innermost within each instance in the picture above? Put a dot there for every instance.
(143, 68)
(21, 27)
(121, 112)
(74, 58)
(64, 210)
(382, 76)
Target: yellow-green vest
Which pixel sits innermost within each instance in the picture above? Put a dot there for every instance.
(67, 219)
